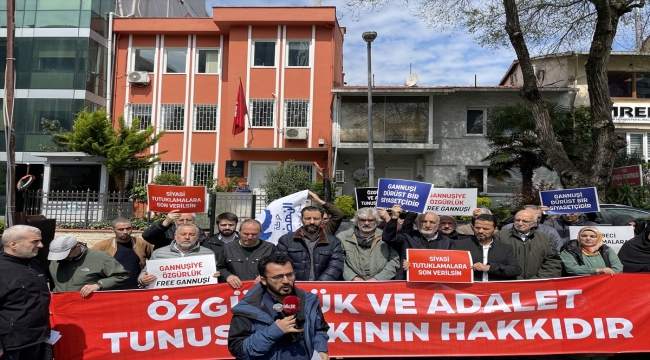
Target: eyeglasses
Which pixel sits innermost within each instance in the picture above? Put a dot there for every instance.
(367, 220)
(279, 277)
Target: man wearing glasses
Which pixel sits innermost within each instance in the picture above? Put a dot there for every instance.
(162, 233)
(367, 256)
(317, 256)
(427, 236)
(534, 250)
(259, 331)
(130, 251)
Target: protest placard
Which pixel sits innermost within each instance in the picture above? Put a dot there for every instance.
(366, 197)
(185, 199)
(420, 197)
(182, 271)
(448, 266)
(570, 201)
(613, 236)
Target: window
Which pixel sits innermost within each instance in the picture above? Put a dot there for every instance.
(307, 167)
(173, 117)
(207, 62)
(476, 122)
(296, 112)
(142, 112)
(475, 179)
(298, 54)
(170, 167)
(75, 177)
(261, 112)
(139, 177)
(635, 144)
(144, 59)
(629, 85)
(175, 61)
(205, 117)
(202, 173)
(263, 53)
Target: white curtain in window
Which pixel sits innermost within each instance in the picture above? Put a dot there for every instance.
(636, 144)
(211, 62)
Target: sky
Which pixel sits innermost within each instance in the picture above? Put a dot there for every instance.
(403, 41)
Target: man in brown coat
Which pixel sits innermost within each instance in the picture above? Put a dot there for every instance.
(128, 250)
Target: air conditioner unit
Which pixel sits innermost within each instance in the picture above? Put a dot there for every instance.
(295, 133)
(339, 176)
(139, 77)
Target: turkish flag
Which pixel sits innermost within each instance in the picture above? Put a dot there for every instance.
(240, 112)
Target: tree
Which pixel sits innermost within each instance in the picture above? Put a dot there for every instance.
(124, 148)
(547, 26)
(286, 179)
(513, 142)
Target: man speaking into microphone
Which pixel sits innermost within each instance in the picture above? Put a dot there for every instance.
(276, 320)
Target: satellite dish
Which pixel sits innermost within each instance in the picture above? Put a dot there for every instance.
(412, 80)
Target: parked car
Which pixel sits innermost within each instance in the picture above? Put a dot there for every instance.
(604, 217)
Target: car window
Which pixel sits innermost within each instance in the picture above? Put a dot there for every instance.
(637, 214)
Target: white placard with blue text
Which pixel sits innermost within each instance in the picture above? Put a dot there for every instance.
(421, 197)
(570, 201)
(613, 236)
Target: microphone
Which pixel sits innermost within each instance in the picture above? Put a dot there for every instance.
(278, 308)
(291, 305)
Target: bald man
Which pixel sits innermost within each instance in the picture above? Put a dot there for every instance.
(534, 250)
(427, 236)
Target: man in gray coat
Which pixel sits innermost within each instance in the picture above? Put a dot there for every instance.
(367, 256)
(185, 244)
(548, 230)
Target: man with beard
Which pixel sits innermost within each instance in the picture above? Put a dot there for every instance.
(128, 250)
(259, 331)
(74, 267)
(163, 233)
(238, 259)
(227, 224)
(534, 250)
(184, 245)
(367, 256)
(332, 216)
(427, 236)
(562, 223)
(24, 295)
(316, 255)
(497, 260)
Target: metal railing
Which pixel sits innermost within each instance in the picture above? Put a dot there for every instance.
(83, 208)
(80, 207)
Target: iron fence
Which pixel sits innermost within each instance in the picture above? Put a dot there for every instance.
(80, 209)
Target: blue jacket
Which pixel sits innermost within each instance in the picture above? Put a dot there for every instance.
(328, 256)
(254, 335)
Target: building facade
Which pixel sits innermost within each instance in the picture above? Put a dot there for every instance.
(629, 87)
(183, 76)
(429, 134)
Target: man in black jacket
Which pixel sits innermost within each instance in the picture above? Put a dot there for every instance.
(316, 256)
(427, 236)
(492, 260)
(162, 233)
(227, 225)
(24, 296)
(238, 259)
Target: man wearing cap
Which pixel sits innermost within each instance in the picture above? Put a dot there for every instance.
(24, 296)
(74, 267)
(130, 251)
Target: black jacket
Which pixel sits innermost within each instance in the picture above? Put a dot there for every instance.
(573, 248)
(245, 268)
(501, 258)
(402, 240)
(216, 246)
(24, 303)
(328, 256)
(160, 235)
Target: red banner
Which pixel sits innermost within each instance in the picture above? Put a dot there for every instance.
(563, 316)
(448, 266)
(240, 112)
(632, 175)
(185, 199)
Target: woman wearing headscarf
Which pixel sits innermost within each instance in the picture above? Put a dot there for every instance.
(588, 255)
(635, 253)
(626, 220)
